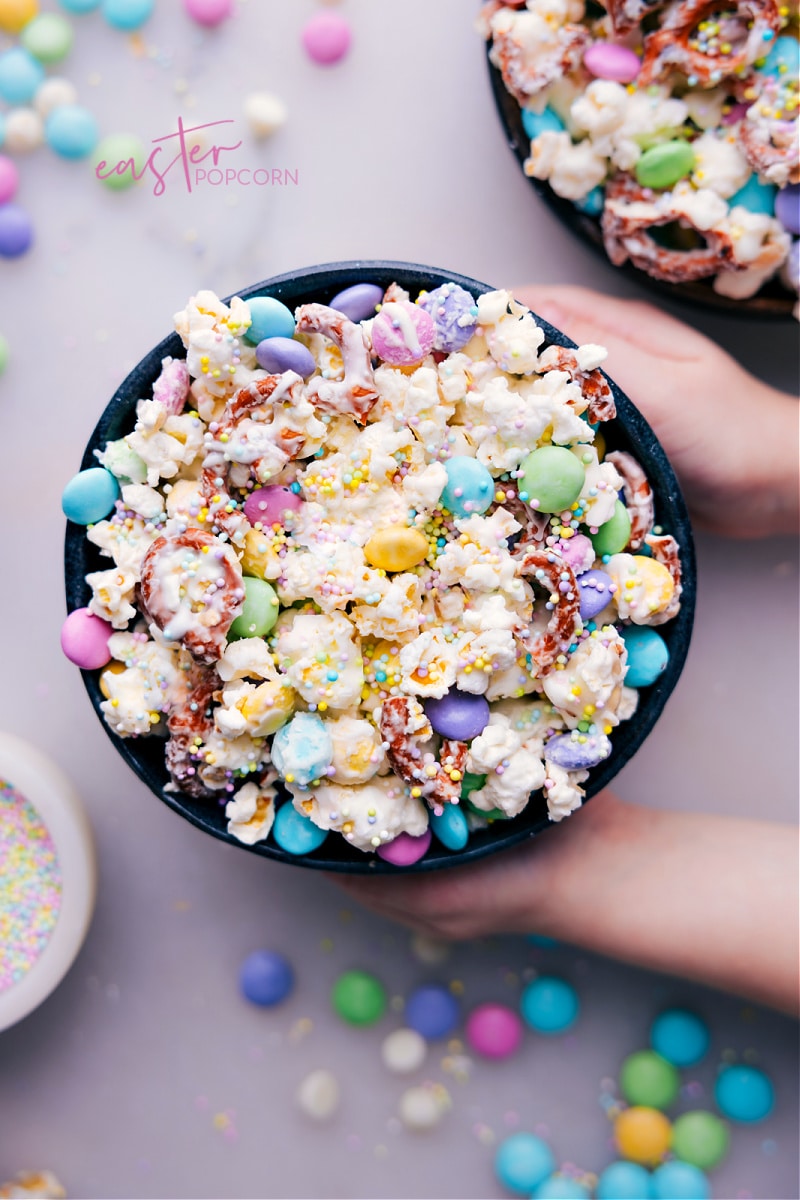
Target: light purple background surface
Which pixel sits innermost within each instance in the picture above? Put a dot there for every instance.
(123, 1081)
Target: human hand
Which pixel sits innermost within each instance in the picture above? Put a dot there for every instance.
(731, 438)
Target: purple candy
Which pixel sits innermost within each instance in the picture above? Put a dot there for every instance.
(405, 850)
(359, 301)
(454, 313)
(609, 60)
(577, 552)
(458, 715)
(268, 505)
(577, 752)
(16, 231)
(787, 208)
(790, 271)
(279, 354)
(593, 587)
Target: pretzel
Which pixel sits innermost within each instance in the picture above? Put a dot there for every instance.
(768, 134)
(593, 384)
(535, 524)
(192, 589)
(189, 727)
(628, 14)
(669, 48)
(638, 496)
(403, 728)
(355, 394)
(550, 571)
(665, 550)
(625, 234)
(526, 76)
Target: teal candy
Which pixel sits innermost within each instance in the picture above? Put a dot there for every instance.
(663, 165)
(756, 196)
(269, 318)
(549, 1005)
(127, 14)
(259, 611)
(679, 1181)
(647, 655)
(612, 538)
(543, 122)
(744, 1094)
(679, 1036)
(559, 1187)
(89, 496)
(20, 76)
(552, 479)
(295, 833)
(451, 827)
(71, 131)
(592, 203)
(522, 1162)
(469, 488)
(785, 53)
(79, 7)
(624, 1181)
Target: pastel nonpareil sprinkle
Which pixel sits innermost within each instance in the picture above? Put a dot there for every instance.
(30, 886)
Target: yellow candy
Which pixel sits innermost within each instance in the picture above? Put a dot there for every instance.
(644, 586)
(643, 1135)
(15, 14)
(397, 548)
(267, 708)
(259, 559)
(114, 668)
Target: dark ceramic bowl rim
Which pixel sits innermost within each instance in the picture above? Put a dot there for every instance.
(772, 302)
(628, 430)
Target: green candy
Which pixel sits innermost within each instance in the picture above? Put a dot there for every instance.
(649, 1080)
(3, 354)
(359, 998)
(552, 479)
(259, 611)
(700, 1138)
(48, 38)
(119, 150)
(612, 538)
(663, 165)
(471, 783)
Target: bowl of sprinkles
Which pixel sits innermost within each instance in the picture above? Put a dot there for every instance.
(47, 878)
(664, 134)
(368, 568)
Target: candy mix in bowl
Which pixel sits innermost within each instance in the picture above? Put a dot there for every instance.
(670, 126)
(374, 572)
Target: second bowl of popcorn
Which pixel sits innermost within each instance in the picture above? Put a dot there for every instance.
(369, 568)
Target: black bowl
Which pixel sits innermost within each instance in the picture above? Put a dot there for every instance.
(773, 300)
(629, 431)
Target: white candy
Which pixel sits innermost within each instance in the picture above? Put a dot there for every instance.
(265, 114)
(318, 1095)
(54, 93)
(24, 131)
(428, 950)
(404, 1051)
(421, 1108)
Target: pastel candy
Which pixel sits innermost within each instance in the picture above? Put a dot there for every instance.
(561, 1187)
(609, 60)
(454, 314)
(680, 1037)
(593, 202)
(259, 611)
(272, 505)
(663, 165)
(269, 318)
(577, 552)
(358, 302)
(279, 354)
(679, 1181)
(612, 537)
(71, 131)
(647, 655)
(89, 496)
(755, 196)
(460, 716)
(787, 208)
(20, 76)
(552, 479)
(451, 827)
(783, 59)
(302, 749)
(469, 488)
(744, 1093)
(127, 14)
(295, 833)
(577, 753)
(396, 548)
(84, 639)
(546, 121)
(623, 1181)
(644, 586)
(402, 333)
(405, 850)
(790, 271)
(593, 589)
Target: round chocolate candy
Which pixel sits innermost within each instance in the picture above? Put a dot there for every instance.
(454, 314)
(295, 833)
(647, 655)
(432, 1010)
(402, 333)
(270, 505)
(744, 1093)
(552, 479)
(577, 751)
(642, 1135)
(700, 1138)
(547, 121)
(647, 1078)
(259, 611)
(279, 354)
(358, 302)
(678, 1181)
(680, 1037)
(396, 548)
(84, 639)
(405, 850)
(623, 1181)
(266, 978)
(787, 207)
(469, 488)
(494, 1031)
(458, 715)
(561, 1187)
(359, 998)
(451, 827)
(522, 1162)
(269, 319)
(549, 1005)
(609, 60)
(663, 165)
(756, 197)
(593, 589)
(612, 538)
(89, 496)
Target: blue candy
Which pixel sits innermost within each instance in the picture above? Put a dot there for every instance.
(279, 354)
(451, 827)
(522, 1162)
(680, 1037)
(559, 1187)
(358, 302)
(624, 1181)
(539, 939)
(593, 590)
(454, 313)
(302, 749)
(20, 76)
(296, 833)
(577, 752)
(543, 122)
(647, 655)
(432, 1011)
(783, 59)
(755, 196)
(71, 131)
(269, 319)
(16, 231)
(549, 1005)
(679, 1181)
(127, 14)
(744, 1094)
(469, 488)
(593, 202)
(266, 978)
(79, 7)
(89, 496)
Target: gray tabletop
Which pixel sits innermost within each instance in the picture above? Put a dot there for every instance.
(146, 1075)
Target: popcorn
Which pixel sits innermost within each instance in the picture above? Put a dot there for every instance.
(366, 816)
(320, 658)
(164, 443)
(151, 685)
(591, 683)
(564, 794)
(251, 812)
(112, 595)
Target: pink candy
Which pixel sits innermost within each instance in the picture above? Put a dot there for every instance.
(84, 639)
(402, 333)
(494, 1031)
(326, 38)
(608, 60)
(9, 179)
(208, 12)
(172, 386)
(405, 850)
(269, 504)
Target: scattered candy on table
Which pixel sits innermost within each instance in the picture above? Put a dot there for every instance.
(432, 1011)
(623, 1181)
(326, 38)
(71, 131)
(15, 14)
(678, 1181)
(208, 12)
(643, 1135)
(264, 113)
(680, 1037)
(700, 1138)
(319, 1095)
(4, 354)
(744, 1094)
(48, 38)
(127, 15)
(120, 158)
(422, 1108)
(266, 978)
(9, 179)
(20, 76)
(404, 1051)
(522, 1162)
(648, 1079)
(16, 231)
(494, 1031)
(549, 1005)
(359, 998)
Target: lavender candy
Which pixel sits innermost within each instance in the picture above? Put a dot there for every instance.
(454, 313)
(577, 752)
(787, 208)
(358, 302)
(593, 587)
(279, 354)
(457, 715)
